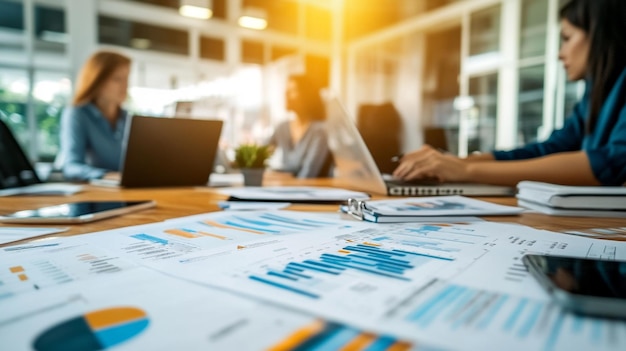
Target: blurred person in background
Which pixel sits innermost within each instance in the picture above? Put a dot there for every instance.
(302, 139)
(590, 149)
(92, 129)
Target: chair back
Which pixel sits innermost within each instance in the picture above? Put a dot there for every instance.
(380, 127)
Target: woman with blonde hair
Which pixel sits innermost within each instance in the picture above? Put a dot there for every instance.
(92, 128)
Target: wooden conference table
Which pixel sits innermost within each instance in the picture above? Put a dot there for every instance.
(179, 202)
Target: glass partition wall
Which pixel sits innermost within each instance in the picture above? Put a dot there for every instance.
(484, 71)
(487, 74)
(34, 78)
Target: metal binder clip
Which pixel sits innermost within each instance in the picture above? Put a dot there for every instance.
(355, 208)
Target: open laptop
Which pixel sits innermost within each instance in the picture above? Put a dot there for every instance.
(167, 152)
(17, 175)
(355, 166)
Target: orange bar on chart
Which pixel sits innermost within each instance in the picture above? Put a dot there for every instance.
(400, 346)
(87, 257)
(221, 237)
(110, 317)
(300, 336)
(16, 269)
(22, 277)
(182, 233)
(360, 342)
(344, 251)
(370, 244)
(220, 225)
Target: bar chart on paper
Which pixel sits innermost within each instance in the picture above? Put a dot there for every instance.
(300, 276)
(323, 335)
(19, 275)
(270, 222)
(156, 246)
(485, 318)
(313, 277)
(176, 238)
(96, 330)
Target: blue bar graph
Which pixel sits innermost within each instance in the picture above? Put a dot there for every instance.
(455, 240)
(430, 245)
(302, 277)
(463, 309)
(334, 339)
(245, 225)
(150, 238)
(531, 320)
(428, 228)
(302, 222)
(269, 223)
(382, 343)
(335, 336)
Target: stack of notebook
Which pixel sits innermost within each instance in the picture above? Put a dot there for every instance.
(580, 201)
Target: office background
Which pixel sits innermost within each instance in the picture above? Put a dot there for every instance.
(486, 71)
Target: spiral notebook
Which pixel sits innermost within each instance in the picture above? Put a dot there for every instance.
(421, 209)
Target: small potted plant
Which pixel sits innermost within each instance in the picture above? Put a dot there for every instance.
(251, 159)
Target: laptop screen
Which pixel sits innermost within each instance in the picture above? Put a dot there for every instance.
(169, 151)
(15, 168)
(354, 163)
(356, 169)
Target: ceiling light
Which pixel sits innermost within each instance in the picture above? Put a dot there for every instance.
(200, 9)
(253, 18)
(140, 43)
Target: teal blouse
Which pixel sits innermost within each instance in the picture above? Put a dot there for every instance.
(605, 145)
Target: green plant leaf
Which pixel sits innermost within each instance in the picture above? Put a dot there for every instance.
(252, 155)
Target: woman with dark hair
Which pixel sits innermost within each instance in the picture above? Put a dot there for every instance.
(590, 149)
(303, 140)
(92, 128)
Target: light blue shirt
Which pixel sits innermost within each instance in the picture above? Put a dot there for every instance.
(90, 147)
(307, 158)
(605, 145)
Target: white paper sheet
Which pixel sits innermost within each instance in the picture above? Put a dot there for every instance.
(420, 282)
(11, 234)
(44, 189)
(251, 205)
(141, 309)
(205, 235)
(27, 270)
(480, 319)
(293, 193)
(355, 275)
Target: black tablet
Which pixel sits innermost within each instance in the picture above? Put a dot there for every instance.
(76, 212)
(588, 286)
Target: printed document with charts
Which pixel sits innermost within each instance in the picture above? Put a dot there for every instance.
(424, 208)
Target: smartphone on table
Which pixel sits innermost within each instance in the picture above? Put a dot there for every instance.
(77, 212)
(583, 285)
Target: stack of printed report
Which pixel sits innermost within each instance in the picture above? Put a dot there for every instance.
(562, 200)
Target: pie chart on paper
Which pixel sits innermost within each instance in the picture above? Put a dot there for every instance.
(96, 330)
